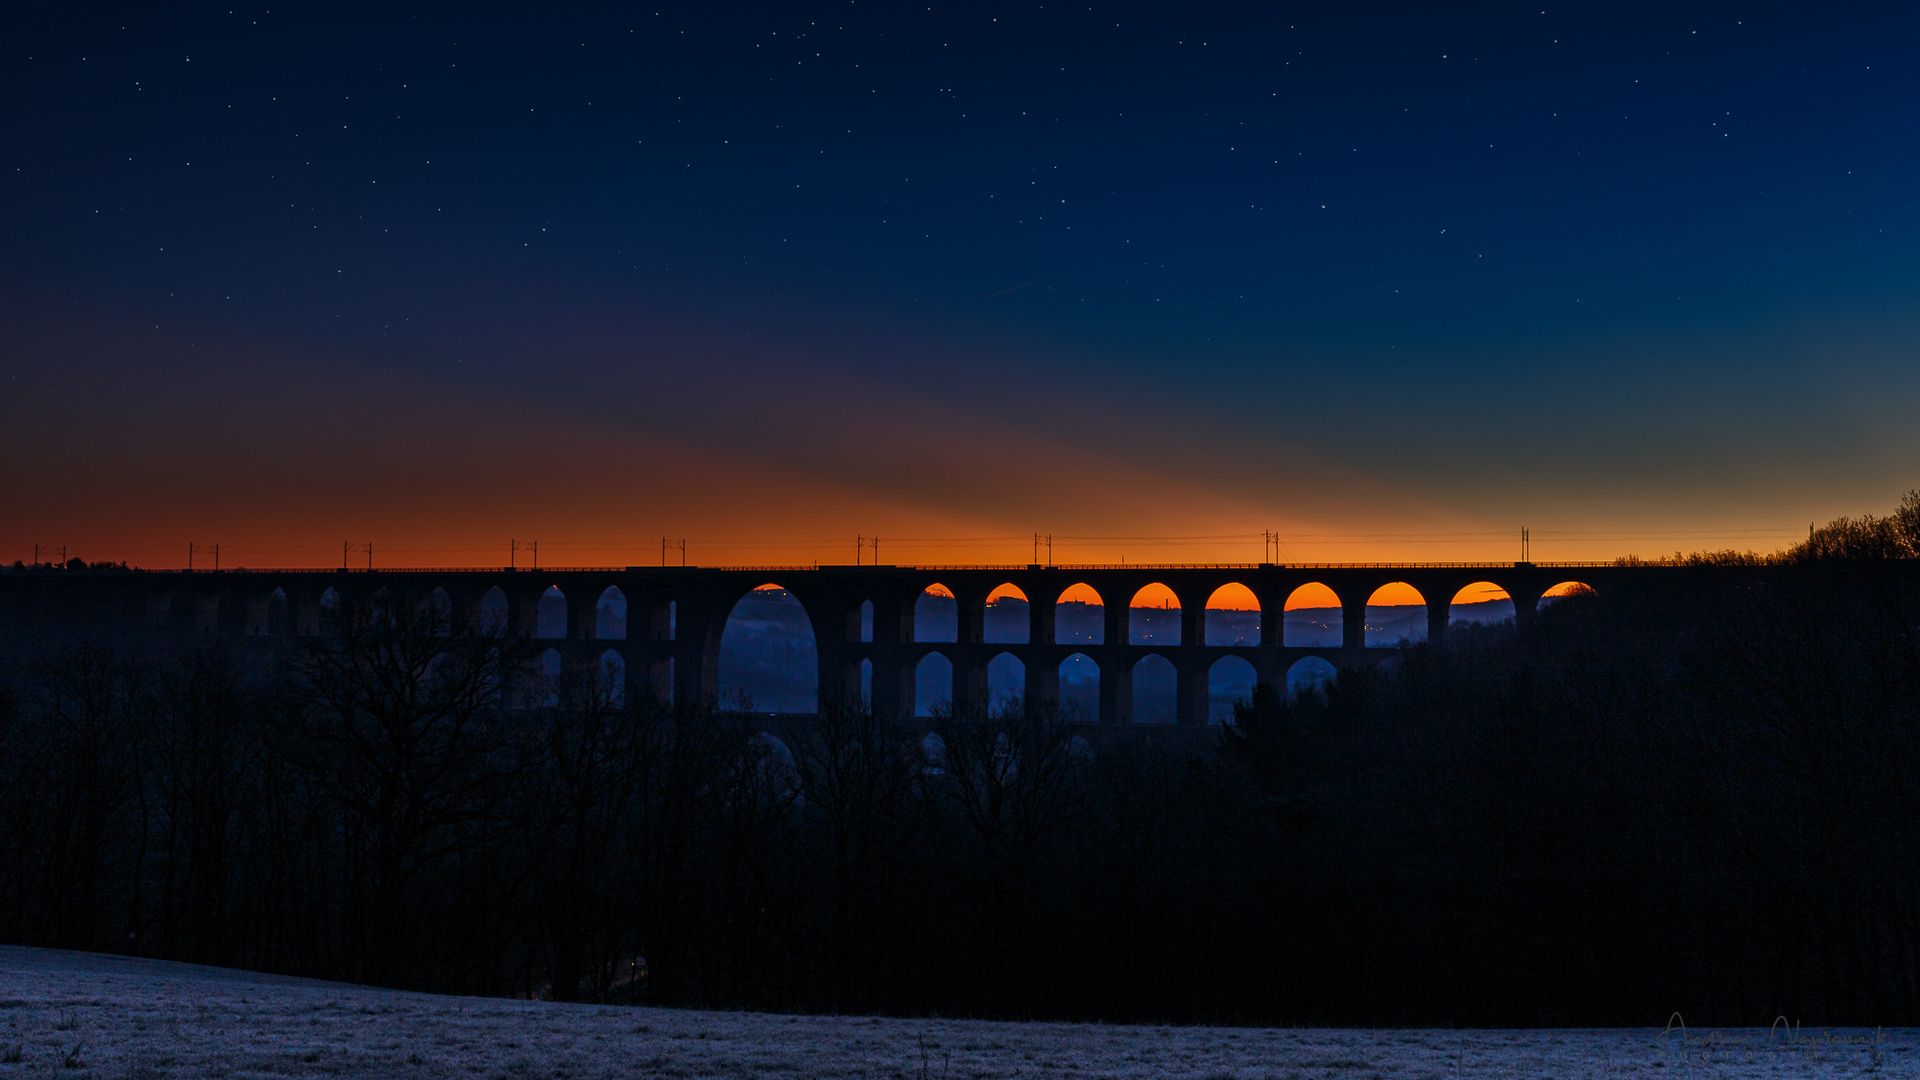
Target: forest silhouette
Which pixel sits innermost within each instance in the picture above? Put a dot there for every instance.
(1697, 795)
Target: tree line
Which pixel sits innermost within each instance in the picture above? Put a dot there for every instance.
(1700, 797)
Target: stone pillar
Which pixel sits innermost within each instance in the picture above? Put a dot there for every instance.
(1042, 692)
(1270, 667)
(663, 678)
(1437, 615)
(1193, 624)
(659, 622)
(1353, 623)
(634, 683)
(969, 653)
(523, 609)
(1273, 616)
(689, 678)
(892, 677)
(306, 611)
(835, 642)
(1191, 697)
(255, 622)
(1116, 681)
(971, 599)
(850, 689)
(1526, 602)
(1040, 614)
(970, 680)
(582, 612)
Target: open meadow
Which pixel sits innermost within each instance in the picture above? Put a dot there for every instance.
(69, 1015)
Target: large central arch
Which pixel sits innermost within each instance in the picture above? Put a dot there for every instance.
(768, 660)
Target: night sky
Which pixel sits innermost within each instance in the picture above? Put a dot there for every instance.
(1393, 280)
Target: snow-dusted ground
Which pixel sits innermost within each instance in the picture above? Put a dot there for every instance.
(70, 1015)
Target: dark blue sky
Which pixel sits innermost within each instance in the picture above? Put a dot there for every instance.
(1642, 276)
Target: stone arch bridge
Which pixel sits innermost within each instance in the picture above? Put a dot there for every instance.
(675, 615)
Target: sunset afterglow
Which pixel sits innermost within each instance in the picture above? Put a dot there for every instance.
(1187, 286)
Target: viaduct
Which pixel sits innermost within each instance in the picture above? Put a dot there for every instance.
(675, 615)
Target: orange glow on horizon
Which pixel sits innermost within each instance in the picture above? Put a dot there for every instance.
(1568, 588)
(1155, 595)
(1081, 593)
(771, 473)
(1233, 596)
(1480, 592)
(1008, 591)
(1312, 595)
(1396, 594)
(937, 589)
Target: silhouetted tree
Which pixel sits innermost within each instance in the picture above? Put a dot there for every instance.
(398, 720)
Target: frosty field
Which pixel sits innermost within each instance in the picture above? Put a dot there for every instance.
(71, 1015)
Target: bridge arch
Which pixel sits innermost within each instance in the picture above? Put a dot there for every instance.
(551, 670)
(494, 611)
(1229, 680)
(1079, 688)
(768, 660)
(1482, 603)
(1233, 616)
(1566, 590)
(610, 614)
(279, 611)
(1009, 618)
(936, 615)
(1156, 688)
(933, 684)
(327, 620)
(438, 609)
(1153, 616)
(611, 673)
(1006, 684)
(1079, 617)
(1308, 674)
(1312, 617)
(550, 614)
(1396, 612)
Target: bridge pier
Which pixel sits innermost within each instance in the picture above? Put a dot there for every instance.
(1116, 682)
(892, 677)
(1042, 692)
(1437, 620)
(1353, 623)
(1526, 601)
(1191, 691)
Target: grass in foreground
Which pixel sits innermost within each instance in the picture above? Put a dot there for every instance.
(72, 1015)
